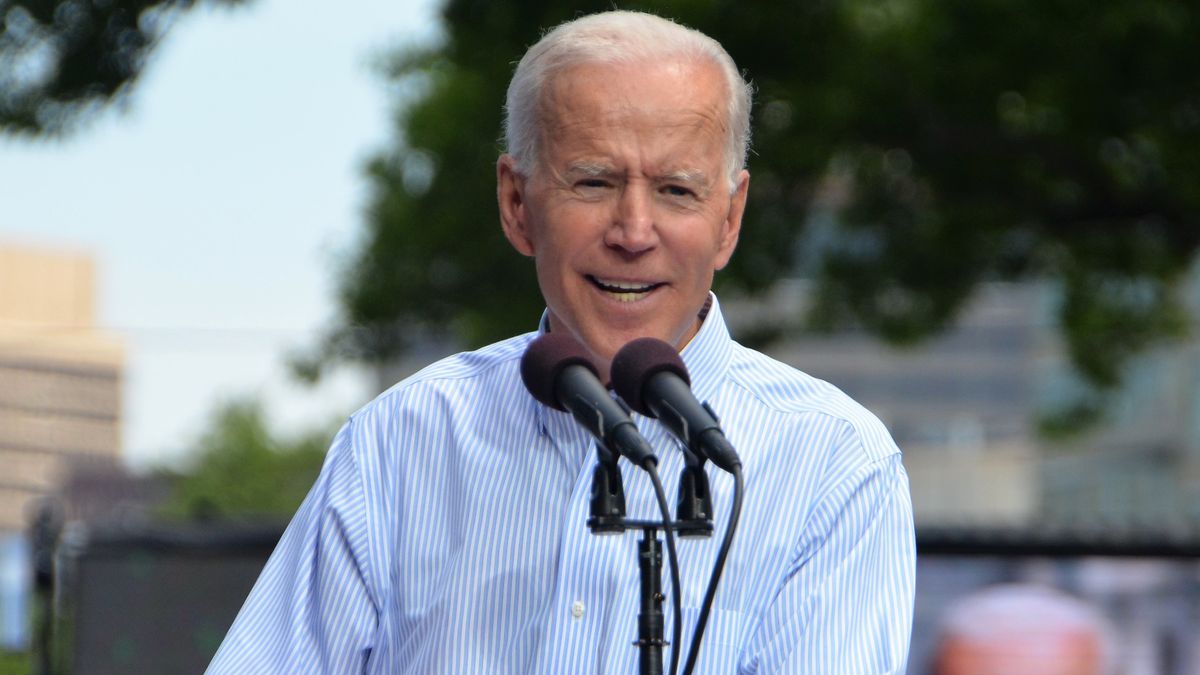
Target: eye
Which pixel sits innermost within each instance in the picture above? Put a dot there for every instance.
(677, 191)
(592, 183)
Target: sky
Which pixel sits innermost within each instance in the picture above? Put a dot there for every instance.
(216, 204)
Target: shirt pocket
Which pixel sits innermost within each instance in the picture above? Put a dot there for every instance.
(721, 644)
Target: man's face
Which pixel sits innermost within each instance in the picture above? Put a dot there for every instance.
(629, 211)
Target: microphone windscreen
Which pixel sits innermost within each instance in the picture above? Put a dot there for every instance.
(545, 358)
(637, 362)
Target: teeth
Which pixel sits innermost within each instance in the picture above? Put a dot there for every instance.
(623, 286)
(623, 291)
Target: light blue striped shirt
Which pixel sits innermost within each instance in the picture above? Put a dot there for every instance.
(446, 534)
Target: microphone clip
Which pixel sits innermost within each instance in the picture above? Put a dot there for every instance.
(693, 507)
(607, 505)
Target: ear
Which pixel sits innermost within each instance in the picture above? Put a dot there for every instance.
(732, 227)
(510, 193)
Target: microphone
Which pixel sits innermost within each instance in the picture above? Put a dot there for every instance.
(558, 372)
(653, 380)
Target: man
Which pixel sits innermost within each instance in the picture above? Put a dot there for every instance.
(1023, 628)
(447, 532)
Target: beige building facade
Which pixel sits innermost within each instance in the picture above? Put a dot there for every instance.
(60, 377)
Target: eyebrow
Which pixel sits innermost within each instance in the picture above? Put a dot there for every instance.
(687, 176)
(592, 169)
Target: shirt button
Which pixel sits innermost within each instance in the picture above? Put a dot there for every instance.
(577, 609)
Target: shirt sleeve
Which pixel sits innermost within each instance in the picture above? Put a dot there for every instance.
(846, 604)
(312, 609)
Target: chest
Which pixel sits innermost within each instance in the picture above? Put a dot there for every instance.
(494, 570)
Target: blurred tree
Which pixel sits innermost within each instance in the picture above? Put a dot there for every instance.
(905, 151)
(241, 470)
(63, 60)
(15, 663)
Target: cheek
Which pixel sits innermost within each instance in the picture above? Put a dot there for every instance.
(555, 273)
(548, 273)
(565, 237)
(697, 248)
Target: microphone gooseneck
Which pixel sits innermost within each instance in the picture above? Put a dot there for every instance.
(558, 372)
(649, 375)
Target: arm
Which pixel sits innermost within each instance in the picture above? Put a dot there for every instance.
(846, 604)
(313, 608)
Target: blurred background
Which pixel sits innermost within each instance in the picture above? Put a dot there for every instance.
(224, 225)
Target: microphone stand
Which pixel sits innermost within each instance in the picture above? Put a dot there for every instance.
(650, 619)
(607, 517)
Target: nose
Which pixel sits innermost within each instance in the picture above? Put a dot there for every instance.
(633, 229)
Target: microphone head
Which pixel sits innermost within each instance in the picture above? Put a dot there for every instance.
(637, 362)
(545, 358)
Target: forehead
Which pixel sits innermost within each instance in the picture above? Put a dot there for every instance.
(672, 105)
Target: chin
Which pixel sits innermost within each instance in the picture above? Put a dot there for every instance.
(604, 341)
(606, 350)
(612, 344)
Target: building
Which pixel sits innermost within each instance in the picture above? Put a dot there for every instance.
(960, 404)
(1140, 469)
(965, 407)
(60, 377)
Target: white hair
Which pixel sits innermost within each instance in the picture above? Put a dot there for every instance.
(618, 37)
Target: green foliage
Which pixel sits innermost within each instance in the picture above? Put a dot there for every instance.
(241, 470)
(62, 60)
(905, 151)
(15, 663)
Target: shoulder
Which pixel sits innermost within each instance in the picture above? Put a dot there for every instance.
(793, 394)
(451, 383)
(443, 411)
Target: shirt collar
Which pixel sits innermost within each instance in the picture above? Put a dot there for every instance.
(706, 356)
(708, 353)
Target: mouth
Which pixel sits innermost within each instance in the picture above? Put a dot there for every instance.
(623, 291)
